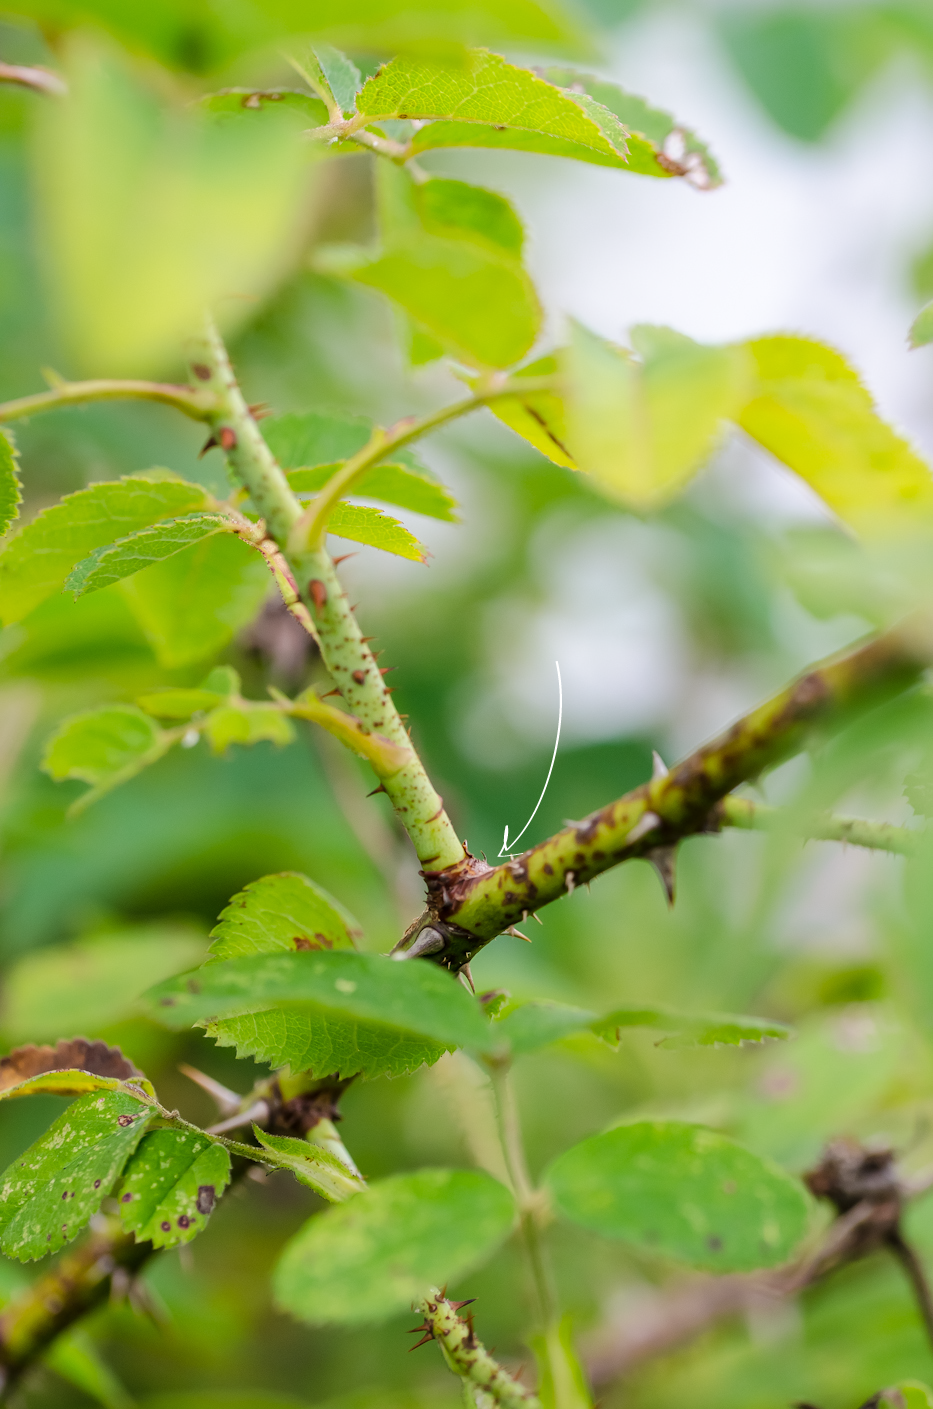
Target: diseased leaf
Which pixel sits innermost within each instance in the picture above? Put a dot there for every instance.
(684, 1192)
(171, 1185)
(141, 549)
(658, 145)
(10, 490)
(247, 723)
(383, 1249)
(486, 89)
(75, 1054)
(361, 523)
(312, 1165)
(308, 110)
(190, 605)
(456, 208)
(393, 484)
(104, 747)
(642, 429)
(48, 1194)
(415, 998)
(40, 555)
(287, 912)
(921, 329)
(810, 409)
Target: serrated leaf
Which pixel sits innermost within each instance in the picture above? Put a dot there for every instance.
(456, 208)
(340, 75)
(191, 604)
(684, 1192)
(809, 408)
(361, 523)
(393, 484)
(383, 1249)
(921, 329)
(104, 747)
(485, 89)
(247, 723)
(649, 130)
(413, 998)
(74, 1083)
(140, 550)
(48, 1194)
(10, 489)
(479, 303)
(285, 912)
(315, 1041)
(540, 418)
(643, 428)
(40, 555)
(171, 1185)
(311, 1165)
(689, 1029)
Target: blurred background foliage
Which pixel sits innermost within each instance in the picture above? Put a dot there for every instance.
(119, 216)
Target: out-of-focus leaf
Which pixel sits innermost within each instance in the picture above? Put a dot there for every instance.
(383, 1249)
(658, 144)
(415, 998)
(104, 747)
(170, 1186)
(191, 604)
(247, 723)
(40, 555)
(458, 208)
(362, 523)
(310, 111)
(10, 491)
(642, 429)
(50, 1192)
(393, 484)
(338, 75)
(312, 1165)
(690, 1029)
(682, 1191)
(141, 549)
(179, 704)
(314, 438)
(810, 409)
(921, 329)
(72, 1083)
(486, 89)
(148, 213)
(561, 1378)
(75, 1357)
(531, 1026)
(75, 1057)
(282, 912)
(90, 984)
(909, 1394)
(540, 418)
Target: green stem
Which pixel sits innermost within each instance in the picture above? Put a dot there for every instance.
(311, 528)
(527, 1197)
(879, 836)
(343, 648)
(197, 404)
(469, 1358)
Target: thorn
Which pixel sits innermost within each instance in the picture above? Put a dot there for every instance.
(208, 445)
(227, 1101)
(343, 558)
(335, 691)
(227, 438)
(385, 669)
(664, 860)
(415, 1329)
(359, 676)
(423, 1341)
(659, 768)
(518, 934)
(570, 882)
(466, 978)
(536, 916)
(257, 1112)
(380, 789)
(259, 410)
(365, 639)
(318, 593)
(645, 824)
(456, 1305)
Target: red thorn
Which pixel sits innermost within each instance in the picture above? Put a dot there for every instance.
(329, 693)
(318, 593)
(208, 445)
(259, 411)
(343, 558)
(456, 1305)
(415, 1329)
(380, 789)
(359, 676)
(423, 1341)
(227, 438)
(365, 639)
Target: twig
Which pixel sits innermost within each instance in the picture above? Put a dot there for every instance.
(41, 80)
(197, 404)
(742, 812)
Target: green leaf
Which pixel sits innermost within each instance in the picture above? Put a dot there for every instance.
(48, 1194)
(411, 997)
(308, 110)
(383, 1249)
(75, 1358)
(74, 1082)
(40, 556)
(810, 410)
(10, 490)
(314, 438)
(104, 747)
(361, 523)
(455, 208)
(650, 131)
(140, 550)
(393, 484)
(643, 428)
(485, 89)
(561, 1378)
(684, 1192)
(921, 329)
(150, 209)
(190, 605)
(530, 1026)
(94, 982)
(282, 912)
(541, 418)
(479, 303)
(312, 1165)
(179, 704)
(339, 75)
(909, 1394)
(170, 1186)
(314, 1040)
(247, 723)
(689, 1029)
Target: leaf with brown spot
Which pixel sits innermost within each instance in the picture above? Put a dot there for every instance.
(69, 1055)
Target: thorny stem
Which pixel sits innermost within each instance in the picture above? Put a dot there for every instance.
(197, 404)
(742, 812)
(468, 1357)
